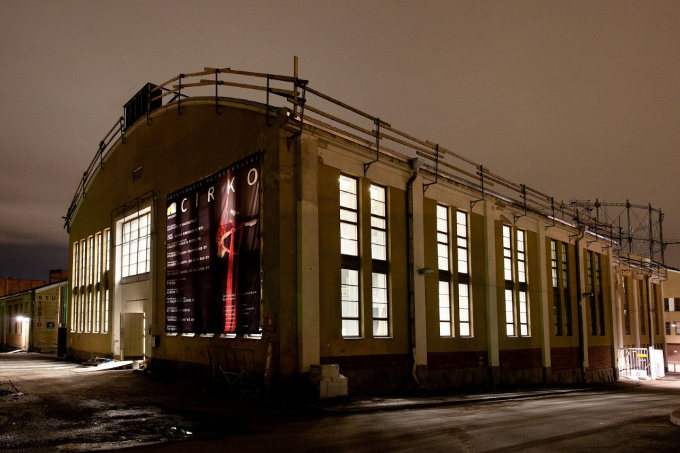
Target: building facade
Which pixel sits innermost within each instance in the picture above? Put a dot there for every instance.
(214, 230)
(671, 309)
(30, 320)
(12, 285)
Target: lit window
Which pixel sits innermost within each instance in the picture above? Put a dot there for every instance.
(83, 282)
(557, 302)
(97, 280)
(74, 291)
(349, 249)
(442, 238)
(378, 224)
(516, 290)
(90, 281)
(350, 303)
(445, 317)
(379, 263)
(107, 261)
(444, 310)
(509, 314)
(460, 281)
(381, 320)
(349, 217)
(136, 244)
(566, 292)
(464, 307)
(464, 310)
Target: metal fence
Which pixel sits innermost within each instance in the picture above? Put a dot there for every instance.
(647, 363)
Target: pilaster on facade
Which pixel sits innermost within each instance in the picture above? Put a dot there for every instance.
(418, 283)
(491, 281)
(616, 283)
(544, 301)
(636, 311)
(308, 262)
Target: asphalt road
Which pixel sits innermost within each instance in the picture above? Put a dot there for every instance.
(48, 405)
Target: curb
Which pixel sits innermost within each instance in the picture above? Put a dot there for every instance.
(443, 402)
(675, 417)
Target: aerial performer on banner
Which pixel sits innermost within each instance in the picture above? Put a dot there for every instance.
(229, 238)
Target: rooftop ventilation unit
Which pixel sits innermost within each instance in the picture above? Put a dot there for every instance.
(142, 103)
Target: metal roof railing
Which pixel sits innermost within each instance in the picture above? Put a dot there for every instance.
(309, 107)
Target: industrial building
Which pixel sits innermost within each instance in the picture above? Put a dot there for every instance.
(283, 230)
(33, 319)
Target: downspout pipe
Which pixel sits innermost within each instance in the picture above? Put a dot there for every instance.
(650, 310)
(409, 264)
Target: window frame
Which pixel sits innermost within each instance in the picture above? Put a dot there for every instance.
(134, 235)
(380, 292)
(516, 278)
(350, 271)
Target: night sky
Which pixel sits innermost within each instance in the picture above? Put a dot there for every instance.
(578, 99)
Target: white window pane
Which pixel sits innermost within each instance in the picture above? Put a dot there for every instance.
(350, 309)
(347, 200)
(379, 280)
(379, 252)
(349, 247)
(377, 193)
(464, 315)
(443, 263)
(507, 269)
(442, 225)
(463, 290)
(380, 328)
(461, 218)
(349, 277)
(444, 311)
(350, 328)
(380, 311)
(348, 184)
(348, 216)
(348, 231)
(461, 230)
(379, 295)
(377, 222)
(377, 208)
(378, 237)
(444, 329)
(465, 330)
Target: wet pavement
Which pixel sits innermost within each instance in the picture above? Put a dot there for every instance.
(48, 404)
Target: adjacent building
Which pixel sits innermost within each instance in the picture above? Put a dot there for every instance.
(214, 231)
(671, 308)
(32, 319)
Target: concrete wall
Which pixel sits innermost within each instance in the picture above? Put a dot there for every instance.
(174, 150)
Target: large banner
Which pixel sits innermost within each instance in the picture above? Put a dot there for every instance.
(213, 253)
